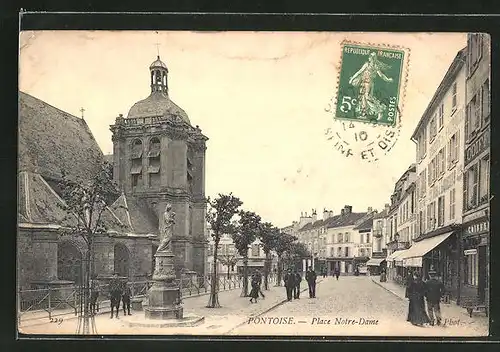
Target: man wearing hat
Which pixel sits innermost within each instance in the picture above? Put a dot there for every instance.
(289, 280)
(115, 293)
(434, 290)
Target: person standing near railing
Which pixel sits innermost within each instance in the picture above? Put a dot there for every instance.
(115, 292)
(127, 293)
(94, 295)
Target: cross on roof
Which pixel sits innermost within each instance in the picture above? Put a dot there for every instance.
(82, 110)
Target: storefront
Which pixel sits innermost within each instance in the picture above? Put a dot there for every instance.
(475, 259)
(376, 265)
(440, 253)
(395, 266)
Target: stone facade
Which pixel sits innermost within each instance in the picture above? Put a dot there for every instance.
(160, 158)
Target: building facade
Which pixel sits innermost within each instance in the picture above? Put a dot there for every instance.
(439, 137)
(159, 158)
(474, 247)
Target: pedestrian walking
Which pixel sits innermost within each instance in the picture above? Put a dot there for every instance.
(115, 292)
(289, 280)
(126, 295)
(311, 282)
(259, 278)
(94, 295)
(296, 290)
(336, 272)
(434, 290)
(254, 293)
(416, 307)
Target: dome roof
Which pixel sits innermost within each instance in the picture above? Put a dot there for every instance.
(158, 63)
(157, 104)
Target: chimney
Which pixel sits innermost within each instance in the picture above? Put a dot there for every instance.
(342, 211)
(326, 214)
(330, 213)
(314, 215)
(348, 209)
(387, 206)
(370, 210)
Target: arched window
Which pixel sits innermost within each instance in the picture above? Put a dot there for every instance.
(154, 162)
(136, 152)
(69, 263)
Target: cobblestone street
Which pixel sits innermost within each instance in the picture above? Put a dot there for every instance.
(351, 306)
(235, 310)
(357, 306)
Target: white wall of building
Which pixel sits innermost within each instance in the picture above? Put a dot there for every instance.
(440, 195)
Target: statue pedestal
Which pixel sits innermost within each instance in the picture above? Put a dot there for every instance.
(164, 295)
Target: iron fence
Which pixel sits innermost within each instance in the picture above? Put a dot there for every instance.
(66, 301)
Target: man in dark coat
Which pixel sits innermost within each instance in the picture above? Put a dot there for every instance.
(289, 280)
(336, 272)
(115, 292)
(311, 282)
(94, 295)
(126, 295)
(296, 289)
(434, 290)
(259, 280)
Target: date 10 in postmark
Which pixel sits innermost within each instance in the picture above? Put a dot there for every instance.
(367, 107)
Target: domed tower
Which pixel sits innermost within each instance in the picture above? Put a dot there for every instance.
(159, 156)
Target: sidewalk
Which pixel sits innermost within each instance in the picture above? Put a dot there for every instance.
(234, 311)
(450, 310)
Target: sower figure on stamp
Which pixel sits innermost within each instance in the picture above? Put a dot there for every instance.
(94, 295)
(115, 292)
(296, 288)
(289, 280)
(126, 295)
(369, 105)
(434, 290)
(311, 282)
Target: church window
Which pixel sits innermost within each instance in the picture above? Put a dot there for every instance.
(136, 152)
(154, 163)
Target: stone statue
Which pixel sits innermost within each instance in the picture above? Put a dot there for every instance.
(167, 228)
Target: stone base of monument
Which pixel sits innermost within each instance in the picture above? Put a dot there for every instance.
(187, 320)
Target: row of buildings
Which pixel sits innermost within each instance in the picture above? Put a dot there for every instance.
(438, 214)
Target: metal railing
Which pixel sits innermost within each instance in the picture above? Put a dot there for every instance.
(63, 301)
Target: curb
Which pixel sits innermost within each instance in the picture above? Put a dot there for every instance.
(267, 310)
(388, 290)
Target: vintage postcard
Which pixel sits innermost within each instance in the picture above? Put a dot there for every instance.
(253, 183)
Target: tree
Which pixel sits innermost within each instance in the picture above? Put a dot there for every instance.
(282, 244)
(248, 229)
(295, 253)
(267, 235)
(84, 202)
(220, 215)
(228, 260)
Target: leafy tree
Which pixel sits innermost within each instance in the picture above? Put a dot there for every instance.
(248, 229)
(220, 217)
(85, 202)
(295, 253)
(267, 235)
(283, 242)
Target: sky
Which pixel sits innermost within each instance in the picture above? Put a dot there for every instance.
(260, 97)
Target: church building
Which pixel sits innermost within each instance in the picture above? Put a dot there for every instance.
(158, 158)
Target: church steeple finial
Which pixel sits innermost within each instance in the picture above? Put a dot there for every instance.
(159, 74)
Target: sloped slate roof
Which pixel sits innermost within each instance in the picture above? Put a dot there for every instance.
(381, 215)
(135, 213)
(51, 140)
(365, 225)
(38, 203)
(346, 220)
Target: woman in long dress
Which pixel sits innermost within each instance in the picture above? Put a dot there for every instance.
(254, 293)
(416, 308)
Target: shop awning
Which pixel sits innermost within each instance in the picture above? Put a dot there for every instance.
(395, 255)
(413, 256)
(375, 261)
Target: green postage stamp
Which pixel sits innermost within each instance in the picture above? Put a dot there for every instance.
(368, 103)
(369, 84)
